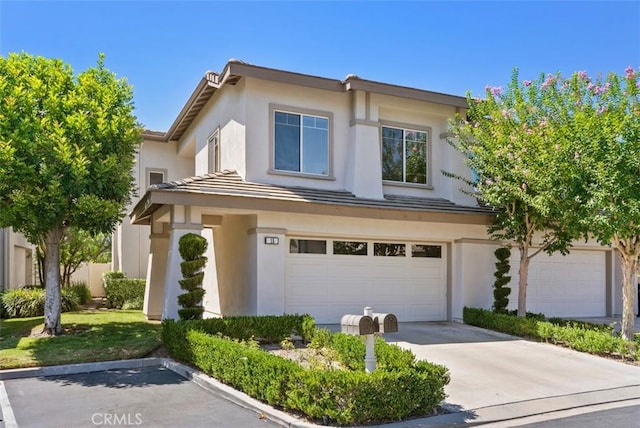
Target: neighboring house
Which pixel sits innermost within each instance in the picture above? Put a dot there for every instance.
(323, 196)
(16, 260)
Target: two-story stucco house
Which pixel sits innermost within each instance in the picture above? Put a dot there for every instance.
(323, 196)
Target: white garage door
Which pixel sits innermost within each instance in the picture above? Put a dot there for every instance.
(330, 278)
(565, 286)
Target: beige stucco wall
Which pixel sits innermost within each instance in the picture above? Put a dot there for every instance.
(131, 242)
(233, 264)
(224, 111)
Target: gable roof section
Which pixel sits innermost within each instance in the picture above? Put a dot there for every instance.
(234, 70)
(228, 190)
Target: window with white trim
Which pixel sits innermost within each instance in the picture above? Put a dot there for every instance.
(155, 176)
(300, 142)
(405, 155)
(213, 145)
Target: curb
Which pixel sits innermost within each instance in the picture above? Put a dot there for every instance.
(67, 369)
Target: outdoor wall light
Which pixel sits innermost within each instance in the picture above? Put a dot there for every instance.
(271, 240)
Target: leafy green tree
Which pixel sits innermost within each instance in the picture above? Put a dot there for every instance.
(67, 146)
(509, 139)
(603, 114)
(77, 247)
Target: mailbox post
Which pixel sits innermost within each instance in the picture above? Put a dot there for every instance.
(369, 341)
(367, 325)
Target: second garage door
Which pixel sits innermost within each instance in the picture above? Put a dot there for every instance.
(328, 278)
(567, 286)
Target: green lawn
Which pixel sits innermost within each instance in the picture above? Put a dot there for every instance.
(92, 335)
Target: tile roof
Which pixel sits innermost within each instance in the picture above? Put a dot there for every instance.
(229, 183)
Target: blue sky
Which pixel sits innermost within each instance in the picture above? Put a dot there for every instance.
(164, 47)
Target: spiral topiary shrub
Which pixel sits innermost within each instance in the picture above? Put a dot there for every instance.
(192, 248)
(500, 290)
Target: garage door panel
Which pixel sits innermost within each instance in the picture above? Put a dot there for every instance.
(566, 286)
(412, 288)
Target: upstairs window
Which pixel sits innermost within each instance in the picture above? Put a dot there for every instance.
(155, 176)
(405, 155)
(213, 145)
(301, 143)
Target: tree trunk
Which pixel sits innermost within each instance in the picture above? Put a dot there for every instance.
(523, 275)
(629, 268)
(52, 303)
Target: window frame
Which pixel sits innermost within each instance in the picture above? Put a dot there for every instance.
(213, 155)
(408, 127)
(273, 108)
(147, 175)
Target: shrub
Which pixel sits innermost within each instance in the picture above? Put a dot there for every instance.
(192, 247)
(500, 290)
(81, 291)
(265, 329)
(3, 311)
(401, 388)
(24, 302)
(108, 276)
(581, 336)
(127, 293)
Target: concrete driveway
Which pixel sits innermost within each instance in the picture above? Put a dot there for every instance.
(497, 377)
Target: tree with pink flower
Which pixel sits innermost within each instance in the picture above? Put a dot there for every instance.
(578, 138)
(510, 140)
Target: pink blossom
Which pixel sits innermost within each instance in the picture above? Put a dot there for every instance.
(505, 114)
(496, 90)
(543, 123)
(590, 85)
(529, 131)
(488, 182)
(527, 83)
(576, 155)
(524, 186)
(630, 72)
(582, 74)
(547, 82)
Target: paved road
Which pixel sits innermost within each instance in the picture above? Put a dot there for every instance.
(150, 397)
(624, 417)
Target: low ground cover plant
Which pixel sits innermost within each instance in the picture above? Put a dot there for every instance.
(229, 349)
(29, 302)
(582, 336)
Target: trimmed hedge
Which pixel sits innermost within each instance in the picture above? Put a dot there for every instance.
(29, 302)
(124, 293)
(587, 337)
(400, 388)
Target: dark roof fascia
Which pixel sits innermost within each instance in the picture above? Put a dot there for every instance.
(356, 83)
(155, 136)
(240, 69)
(210, 79)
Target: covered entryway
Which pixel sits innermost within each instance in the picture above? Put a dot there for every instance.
(569, 286)
(328, 278)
